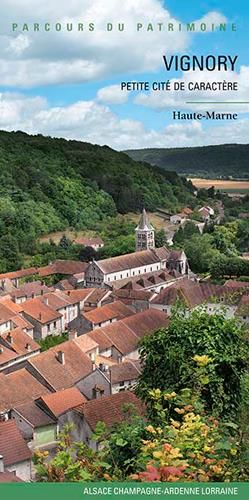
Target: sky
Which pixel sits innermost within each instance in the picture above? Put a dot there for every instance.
(67, 84)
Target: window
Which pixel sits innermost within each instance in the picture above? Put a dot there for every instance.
(49, 326)
(151, 268)
(127, 275)
(121, 276)
(121, 384)
(54, 324)
(115, 277)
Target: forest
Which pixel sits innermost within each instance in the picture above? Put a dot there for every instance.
(51, 184)
(206, 161)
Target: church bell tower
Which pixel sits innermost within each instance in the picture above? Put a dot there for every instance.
(145, 233)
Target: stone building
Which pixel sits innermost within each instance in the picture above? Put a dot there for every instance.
(145, 233)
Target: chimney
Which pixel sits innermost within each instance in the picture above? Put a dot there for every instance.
(72, 335)
(1, 464)
(94, 366)
(46, 301)
(68, 292)
(28, 347)
(61, 357)
(1, 350)
(32, 295)
(9, 338)
(42, 292)
(40, 315)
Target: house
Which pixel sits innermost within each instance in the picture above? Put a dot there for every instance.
(15, 456)
(46, 321)
(123, 376)
(39, 429)
(59, 405)
(63, 303)
(110, 410)
(151, 282)
(177, 261)
(178, 218)
(87, 345)
(16, 347)
(18, 387)
(137, 299)
(29, 291)
(105, 272)
(63, 268)
(120, 339)
(95, 243)
(61, 366)
(206, 212)
(101, 316)
(14, 277)
(79, 297)
(97, 297)
(215, 298)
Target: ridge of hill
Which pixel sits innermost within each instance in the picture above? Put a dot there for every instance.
(225, 160)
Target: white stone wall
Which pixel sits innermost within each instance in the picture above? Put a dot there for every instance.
(22, 470)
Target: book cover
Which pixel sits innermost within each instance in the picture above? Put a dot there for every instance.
(124, 248)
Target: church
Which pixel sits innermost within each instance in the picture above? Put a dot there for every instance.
(146, 259)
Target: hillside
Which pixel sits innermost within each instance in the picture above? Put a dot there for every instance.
(50, 184)
(206, 161)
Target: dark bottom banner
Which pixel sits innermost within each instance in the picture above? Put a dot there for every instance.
(136, 491)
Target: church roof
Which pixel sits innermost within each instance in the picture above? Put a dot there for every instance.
(131, 260)
(144, 224)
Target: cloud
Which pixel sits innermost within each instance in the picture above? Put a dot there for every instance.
(29, 59)
(112, 94)
(93, 122)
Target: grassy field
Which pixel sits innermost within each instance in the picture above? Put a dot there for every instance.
(157, 221)
(228, 186)
(71, 234)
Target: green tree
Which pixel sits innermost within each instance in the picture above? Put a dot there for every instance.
(167, 358)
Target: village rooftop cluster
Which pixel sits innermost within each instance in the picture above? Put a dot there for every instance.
(102, 309)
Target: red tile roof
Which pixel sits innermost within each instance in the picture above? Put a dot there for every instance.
(20, 341)
(13, 448)
(85, 343)
(122, 372)
(62, 401)
(39, 311)
(9, 477)
(97, 295)
(29, 289)
(110, 409)
(66, 267)
(190, 292)
(21, 273)
(107, 312)
(61, 376)
(79, 295)
(34, 415)
(19, 387)
(131, 260)
(125, 334)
